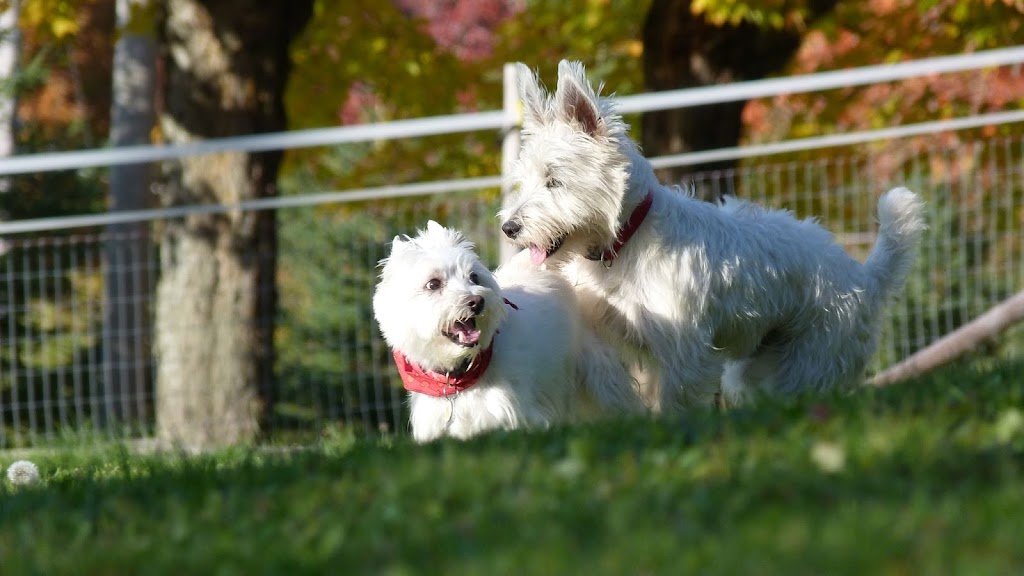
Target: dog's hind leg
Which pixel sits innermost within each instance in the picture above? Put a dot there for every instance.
(808, 364)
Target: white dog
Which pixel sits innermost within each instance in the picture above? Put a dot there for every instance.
(735, 296)
(481, 351)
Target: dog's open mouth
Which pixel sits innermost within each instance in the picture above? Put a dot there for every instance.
(538, 255)
(464, 333)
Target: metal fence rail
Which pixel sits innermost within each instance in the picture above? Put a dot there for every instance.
(509, 118)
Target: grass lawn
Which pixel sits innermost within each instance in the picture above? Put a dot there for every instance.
(924, 478)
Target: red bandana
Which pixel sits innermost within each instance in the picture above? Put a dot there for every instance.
(416, 379)
(627, 231)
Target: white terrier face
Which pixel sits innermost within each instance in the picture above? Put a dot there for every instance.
(571, 174)
(436, 302)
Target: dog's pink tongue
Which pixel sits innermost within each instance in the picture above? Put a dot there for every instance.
(466, 333)
(537, 255)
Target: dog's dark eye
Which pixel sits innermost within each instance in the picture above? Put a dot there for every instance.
(474, 278)
(433, 284)
(553, 183)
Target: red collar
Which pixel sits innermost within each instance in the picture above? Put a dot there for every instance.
(416, 379)
(627, 231)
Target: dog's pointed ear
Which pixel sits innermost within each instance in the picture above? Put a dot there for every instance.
(397, 244)
(575, 100)
(434, 228)
(532, 95)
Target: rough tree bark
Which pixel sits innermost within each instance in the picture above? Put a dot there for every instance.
(10, 49)
(226, 66)
(683, 50)
(126, 328)
(10, 46)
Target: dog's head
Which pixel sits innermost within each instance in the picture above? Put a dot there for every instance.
(436, 302)
(572, 172)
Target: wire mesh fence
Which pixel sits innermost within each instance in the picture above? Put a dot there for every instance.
(77, 310)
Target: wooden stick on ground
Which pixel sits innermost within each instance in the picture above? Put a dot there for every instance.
(958, 342)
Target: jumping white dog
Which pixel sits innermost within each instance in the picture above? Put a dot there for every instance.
(733, 297)
(479, 351)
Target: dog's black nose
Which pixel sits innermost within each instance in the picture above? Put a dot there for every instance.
(476, 304)
(511, 228)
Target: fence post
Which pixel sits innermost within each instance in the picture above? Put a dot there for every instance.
(127, 282)
(509, 144)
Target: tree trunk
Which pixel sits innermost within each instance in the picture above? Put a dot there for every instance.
(683, 50)
(126, 327)
(226, 63)
(10, 46)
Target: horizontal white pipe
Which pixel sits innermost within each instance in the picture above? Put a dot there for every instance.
(498, 119)
(835, 140)
(339, 197)
(819, 81)
(433, 125)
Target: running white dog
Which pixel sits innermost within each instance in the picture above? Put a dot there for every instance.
(695, 289)
(481, 351)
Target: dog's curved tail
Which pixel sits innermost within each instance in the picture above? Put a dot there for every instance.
(901, 224)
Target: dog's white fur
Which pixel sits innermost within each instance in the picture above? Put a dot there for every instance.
(736, 296)
(546, 367)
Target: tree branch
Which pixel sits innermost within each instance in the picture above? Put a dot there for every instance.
(957, 343)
